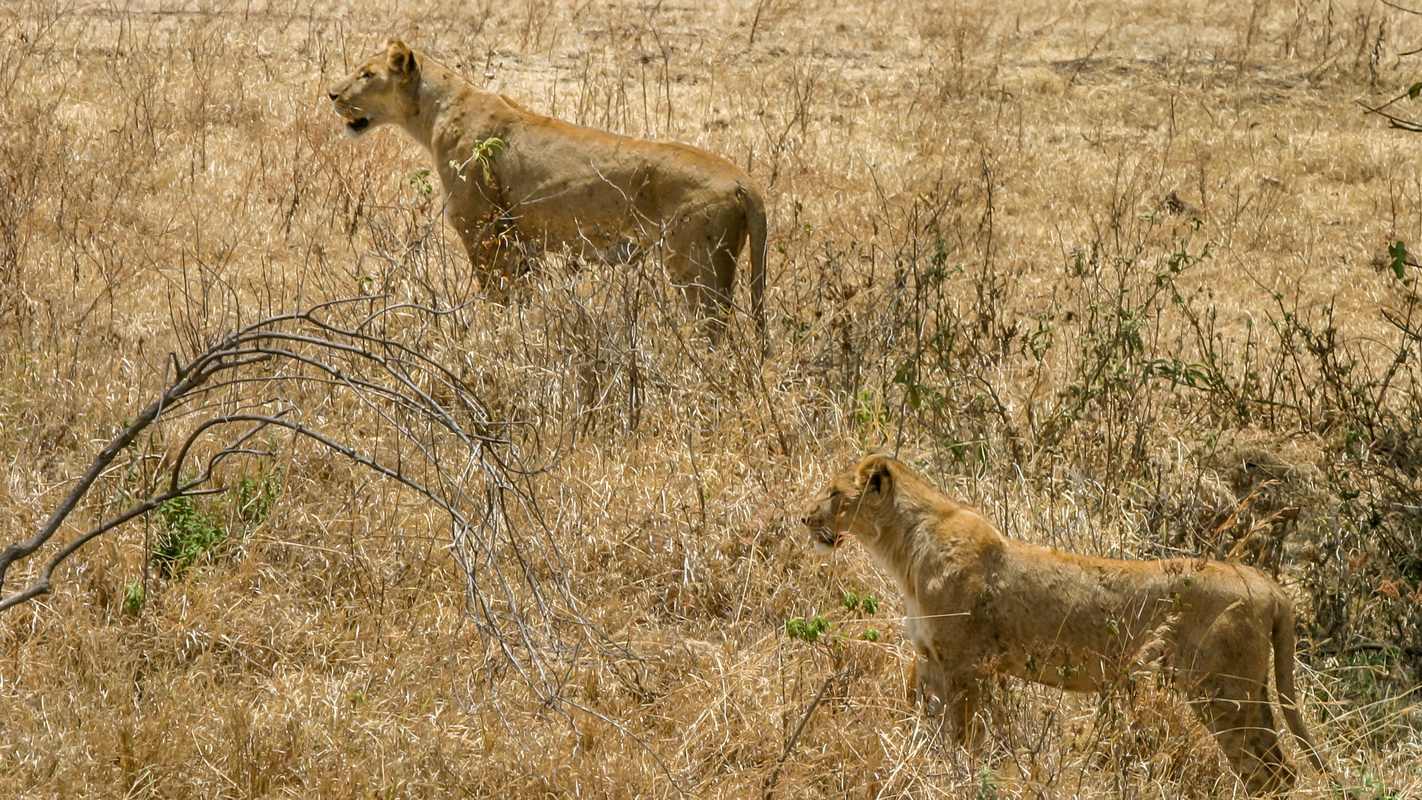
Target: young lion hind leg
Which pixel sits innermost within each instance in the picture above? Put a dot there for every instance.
(1236, 710)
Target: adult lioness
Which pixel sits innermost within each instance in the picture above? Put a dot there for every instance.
(508, 173)
(978, 604)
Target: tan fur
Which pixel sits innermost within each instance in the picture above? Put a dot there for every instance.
(558, 185)
(979, 604)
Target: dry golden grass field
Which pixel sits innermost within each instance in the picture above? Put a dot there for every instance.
(1122, 274)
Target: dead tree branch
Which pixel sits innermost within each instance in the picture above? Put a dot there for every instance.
(431, 433)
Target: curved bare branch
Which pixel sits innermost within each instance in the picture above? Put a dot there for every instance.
(435, 437)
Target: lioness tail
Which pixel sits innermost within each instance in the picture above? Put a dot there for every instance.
(1283, 640)
(754, 206)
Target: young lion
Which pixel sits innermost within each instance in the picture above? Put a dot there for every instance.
(512, 176)
(978, 604)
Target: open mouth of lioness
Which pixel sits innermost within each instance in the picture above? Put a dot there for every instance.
(355, 121)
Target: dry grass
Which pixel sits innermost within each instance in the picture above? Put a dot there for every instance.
(975, 264)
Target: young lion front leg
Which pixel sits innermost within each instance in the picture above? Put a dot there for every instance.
(962, 713)
(954, 699)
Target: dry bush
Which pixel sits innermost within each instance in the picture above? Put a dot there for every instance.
(1107, 272)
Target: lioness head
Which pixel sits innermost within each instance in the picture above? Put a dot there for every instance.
(850, 503)
(380, 90)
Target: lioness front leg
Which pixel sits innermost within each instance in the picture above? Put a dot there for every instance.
(926, 687)
(490, 241)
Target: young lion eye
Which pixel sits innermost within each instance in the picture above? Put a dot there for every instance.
(367, 74)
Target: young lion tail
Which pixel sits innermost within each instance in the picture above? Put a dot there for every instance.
(1283, 640)
(754, 206)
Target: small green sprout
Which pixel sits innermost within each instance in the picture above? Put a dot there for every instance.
(134, 597)
(851, 601)
(483, 155)
(420, 180)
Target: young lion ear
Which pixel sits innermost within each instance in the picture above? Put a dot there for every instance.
(400, 57)
(874, 475)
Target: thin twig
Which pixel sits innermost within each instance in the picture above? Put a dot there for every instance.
(795, 737)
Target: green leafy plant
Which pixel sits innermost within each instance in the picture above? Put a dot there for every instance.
(190, 534)
(820, 628)
(134, 596)
(254, 496)
(808, 630)
(483, 155)
(987, 784)
(187, 535)
(1368, 788)
(1397, 259)
(866, 604)
(870, 412)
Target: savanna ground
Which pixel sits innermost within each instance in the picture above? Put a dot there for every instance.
(1118, 273)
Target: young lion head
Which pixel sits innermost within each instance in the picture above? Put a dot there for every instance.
(852, 502)
(380, 90)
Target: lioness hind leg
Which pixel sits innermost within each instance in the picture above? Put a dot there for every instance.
(699, 291)
(703, 262)
(1237, 713)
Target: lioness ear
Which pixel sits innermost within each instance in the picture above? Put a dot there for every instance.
(874, 474)
(400, 58)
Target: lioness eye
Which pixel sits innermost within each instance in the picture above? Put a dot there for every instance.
(367, 74)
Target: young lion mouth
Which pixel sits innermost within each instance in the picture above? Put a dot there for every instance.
(825, 539)
(358, 124)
